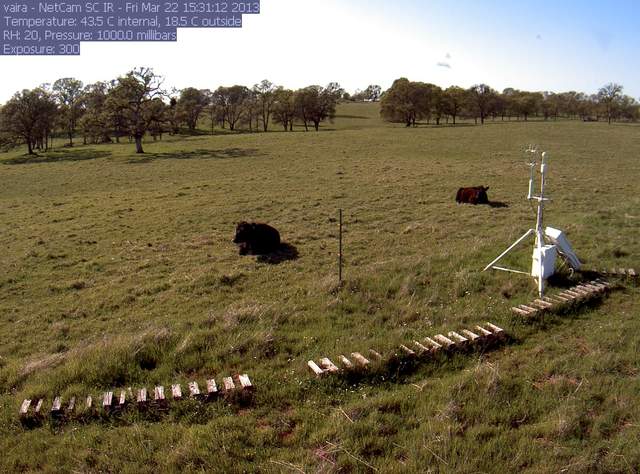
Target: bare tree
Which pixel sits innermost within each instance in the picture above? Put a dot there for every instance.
(609, 96)
(137, 91)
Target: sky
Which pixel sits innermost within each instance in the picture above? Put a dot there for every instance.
(532, 45)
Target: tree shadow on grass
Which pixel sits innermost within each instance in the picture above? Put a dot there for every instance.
(358, 117)
(442, 125)
(58, 156)
(200, 154)
(284, 253)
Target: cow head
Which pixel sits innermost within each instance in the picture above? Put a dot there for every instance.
(481, 195)
(243, 232)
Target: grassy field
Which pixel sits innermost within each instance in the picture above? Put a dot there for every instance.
(119, 270)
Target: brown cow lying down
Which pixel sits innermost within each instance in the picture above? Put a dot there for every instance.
(475, 195)
(256, 239)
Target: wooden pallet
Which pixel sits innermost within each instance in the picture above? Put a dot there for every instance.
(112, 401)
(619, 272)
(576, 294)
(416, 349)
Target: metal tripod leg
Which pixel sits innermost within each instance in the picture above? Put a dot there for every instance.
(514, 245)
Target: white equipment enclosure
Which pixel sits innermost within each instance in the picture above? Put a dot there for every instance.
(545, 252)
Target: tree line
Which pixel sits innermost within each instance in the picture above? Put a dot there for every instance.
(411, 102)
(137, 105)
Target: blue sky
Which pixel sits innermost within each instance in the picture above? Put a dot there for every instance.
(537, 45)
(541, 45)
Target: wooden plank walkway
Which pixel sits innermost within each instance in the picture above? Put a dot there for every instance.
(111, 403)
(619, 272)
(428, 346)
(577, 294)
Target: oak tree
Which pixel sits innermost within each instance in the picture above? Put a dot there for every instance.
(68, 94)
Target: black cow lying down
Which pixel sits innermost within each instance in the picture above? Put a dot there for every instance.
(475, 195)
(256, 239)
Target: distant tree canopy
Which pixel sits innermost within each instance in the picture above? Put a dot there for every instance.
(454, 101)
(481, 98)
(408, 102)
(284, 109)
(97, 119)
(411, 102)
(30, 117)
(315, 104)
(265, 93)
(232, 101)
(190, 106)
(68, 94)
(372, 93)
(136, 106)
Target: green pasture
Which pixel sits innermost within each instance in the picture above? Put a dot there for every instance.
(118, 271)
